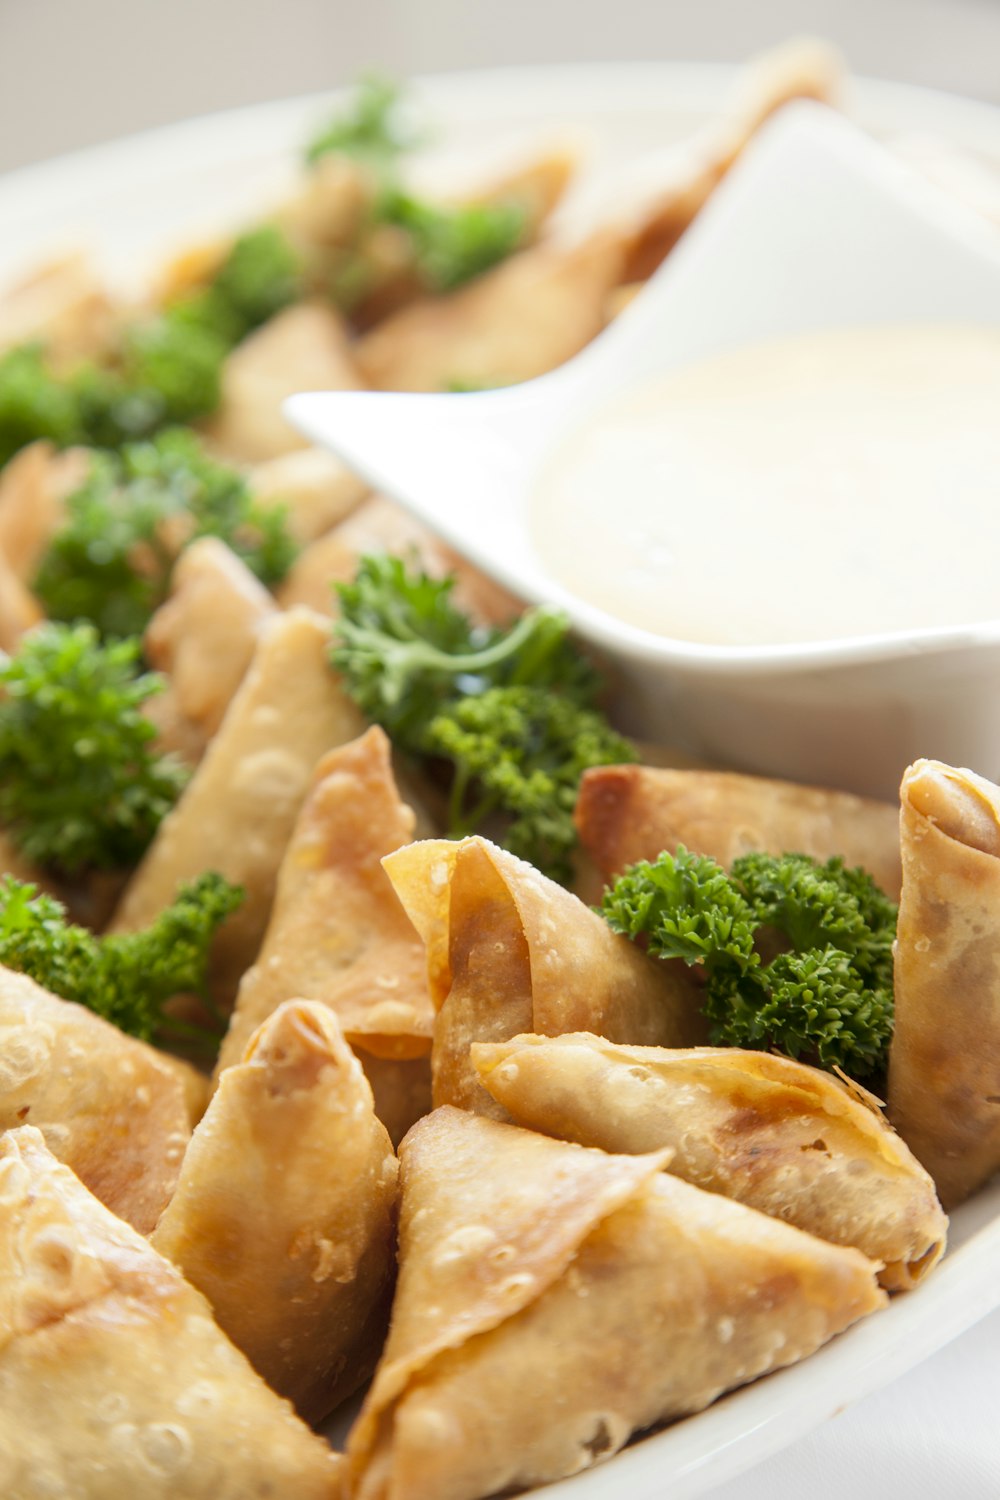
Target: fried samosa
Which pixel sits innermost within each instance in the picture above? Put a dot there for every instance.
(303, 348)
(944, 1063)
(338, 933)
(284, 1213)
(238, 810)
(519, 320)
(380, 525)
(315, 489)
(34, 486)
(779, 1136)
(509, 951)
(553, 1300)
(108, 1106)
(628, 813)
(114, 1379)
(203, 640)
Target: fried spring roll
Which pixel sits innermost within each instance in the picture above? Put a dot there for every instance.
(629, 813)
(203, 640)
(944, 1063)
(108, 1106)
(114, 1379)
(284, 1213)
(553, 1300)
(779, 1136)
(237, 813)
(338, 933)
(509, 950)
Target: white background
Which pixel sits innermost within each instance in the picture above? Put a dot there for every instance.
(74, 72)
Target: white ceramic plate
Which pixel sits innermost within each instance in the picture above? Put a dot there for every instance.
(135, 199)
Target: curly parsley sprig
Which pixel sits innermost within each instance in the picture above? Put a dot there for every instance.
(81, 784)
(511, 712)
(125, 977)
(826, 996)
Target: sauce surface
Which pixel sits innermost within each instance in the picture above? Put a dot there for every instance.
(839, 484)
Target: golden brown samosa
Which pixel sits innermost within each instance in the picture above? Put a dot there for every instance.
(315, 490)
(238, 810)
(34, 486)
(944, 1062)
(508, 951)
(380, 525)
(552, 1300)
(114, 1379)
(19, 609)
(519, 320)
(800, 69)
(777, 1135)
(628, 813)
(108, 1106)
(338, 933)
(303, 348)
(203, 638)
(284, 1212)
(64, 305)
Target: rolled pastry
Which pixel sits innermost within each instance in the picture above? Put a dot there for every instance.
(107, 1105)
(238, 810)
(509, 951)
(284, 1213)
(553, 1300)
(338, 933)
(781, 1137)
(114, 1379)
(628, 813)
(944, 1062)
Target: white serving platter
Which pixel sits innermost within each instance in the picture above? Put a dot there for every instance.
(135, 200)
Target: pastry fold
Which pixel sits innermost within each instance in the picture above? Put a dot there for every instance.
(779, 1136)
(284, 1213)
(203, 640)
(107, 1105)
(338, 933)
(114, 1379)
(552, 1300)
(628, 813)
(510, 951)
(944, 1063)
(237, 812)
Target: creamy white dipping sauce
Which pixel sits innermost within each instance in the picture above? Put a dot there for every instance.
(838, 484)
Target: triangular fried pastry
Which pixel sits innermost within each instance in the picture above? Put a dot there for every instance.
(114, 1379)
(203, 640)
(107, 1105)
(510, 951)
(628, 813)
(777, 1135)
(284, 1212)
(237, 812)
(304, 347)
(524, 317)
(944, 1063)
(690, 172)
(338, 932)
(553, 1300)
